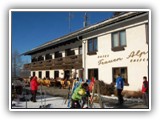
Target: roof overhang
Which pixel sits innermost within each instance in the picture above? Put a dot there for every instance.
(79, 34)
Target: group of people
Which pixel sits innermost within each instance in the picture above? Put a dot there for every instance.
(120, 86)
(82, 91)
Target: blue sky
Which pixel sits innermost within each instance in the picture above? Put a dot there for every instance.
(31, 29)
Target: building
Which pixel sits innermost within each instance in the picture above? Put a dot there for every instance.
(116, 45)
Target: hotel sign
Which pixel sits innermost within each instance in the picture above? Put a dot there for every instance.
(134, 56)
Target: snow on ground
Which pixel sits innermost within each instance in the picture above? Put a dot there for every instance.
(53, 102)
(59, 102)
(125, 99)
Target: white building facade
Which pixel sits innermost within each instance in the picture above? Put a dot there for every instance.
(119, 48)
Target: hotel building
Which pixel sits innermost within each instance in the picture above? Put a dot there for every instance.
(116, 45)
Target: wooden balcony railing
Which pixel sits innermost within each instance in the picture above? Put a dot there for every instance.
(69, 62)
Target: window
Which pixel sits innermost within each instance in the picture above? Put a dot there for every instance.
(40, 74)
(47, 74)
(69, 52)
(92, 46)
(66, 74)
(93, 73)
(34, 59)
(48, 56)
(34, 74)
(123, 72)
(40, 58)
(58, 55)
(118, 40)
(147, 33)
(56, 74)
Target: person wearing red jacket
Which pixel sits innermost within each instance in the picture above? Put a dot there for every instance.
(34, 88)
(145, 90)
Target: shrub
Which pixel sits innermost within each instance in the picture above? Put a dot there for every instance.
(105, 89)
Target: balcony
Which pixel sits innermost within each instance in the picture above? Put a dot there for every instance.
(69, 62)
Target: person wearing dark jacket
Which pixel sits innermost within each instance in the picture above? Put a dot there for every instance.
(119, 87)
(34, 87)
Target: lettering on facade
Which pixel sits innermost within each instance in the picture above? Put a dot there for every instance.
(137, 56)
(134, 56)
(102, 61)
(103, 56)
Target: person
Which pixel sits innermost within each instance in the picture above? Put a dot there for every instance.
(145, 90)
(119, 87)
(78, 94)
(85, 98)
(34, 87)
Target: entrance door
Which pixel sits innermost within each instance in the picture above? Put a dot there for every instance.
(56, 74)
(47, 75)
(40, 74)
(66, 74)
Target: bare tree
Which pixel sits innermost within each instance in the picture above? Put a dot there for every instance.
(16, 63)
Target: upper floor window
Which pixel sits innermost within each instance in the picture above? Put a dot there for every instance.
(34, 59)
(58, 54)
(92, 46)
(40, 58)
(69, 52)
(118, 40)
(48, 56)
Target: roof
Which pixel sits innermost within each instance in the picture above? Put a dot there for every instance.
(81, 32)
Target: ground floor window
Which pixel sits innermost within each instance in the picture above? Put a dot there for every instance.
(122, 71)
(34, 74)
(56, 74)
(93, 73)
(40, 74)
(47, 74)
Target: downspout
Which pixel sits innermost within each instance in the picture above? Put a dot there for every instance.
(83, 57)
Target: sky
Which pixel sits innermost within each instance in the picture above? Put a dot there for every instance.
(30, 29)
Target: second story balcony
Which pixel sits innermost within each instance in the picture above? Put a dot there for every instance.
(68, 62)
